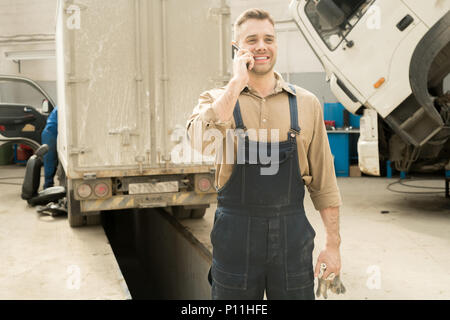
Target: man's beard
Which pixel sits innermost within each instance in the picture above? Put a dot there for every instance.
(264, 71)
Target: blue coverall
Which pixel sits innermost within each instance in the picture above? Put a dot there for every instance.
(49, 135)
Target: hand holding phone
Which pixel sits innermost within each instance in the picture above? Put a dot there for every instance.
(234, 49)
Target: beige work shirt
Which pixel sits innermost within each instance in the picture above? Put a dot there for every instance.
(272, 112)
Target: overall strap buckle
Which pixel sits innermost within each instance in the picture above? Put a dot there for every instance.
(293, 132)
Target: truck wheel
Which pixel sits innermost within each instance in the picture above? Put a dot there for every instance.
(93, 220)
(61, 175)
(181, 212)
(198, 213)
(76, 219)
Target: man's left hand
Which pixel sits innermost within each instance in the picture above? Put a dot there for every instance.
(332, 258)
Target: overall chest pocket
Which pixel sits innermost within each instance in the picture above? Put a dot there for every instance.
(268, 185)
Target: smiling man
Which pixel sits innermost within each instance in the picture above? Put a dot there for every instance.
(262, 240)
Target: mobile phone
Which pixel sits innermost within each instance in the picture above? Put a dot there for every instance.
(235, 48)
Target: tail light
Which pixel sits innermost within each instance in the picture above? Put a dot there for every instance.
(84, 190)
(92, 189)
(101, 190)
(204, 184)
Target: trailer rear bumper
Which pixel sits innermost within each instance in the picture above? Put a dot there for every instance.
(149, 201)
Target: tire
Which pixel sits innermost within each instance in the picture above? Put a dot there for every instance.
(439, 70)
(93, 220)
(430, 64)
(180, 212)
(61, 175)
(74, 215)
(198, 213)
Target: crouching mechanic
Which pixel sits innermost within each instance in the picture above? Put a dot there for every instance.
(49, 137)
(262, 240)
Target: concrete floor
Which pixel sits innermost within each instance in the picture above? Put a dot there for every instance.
(403, 254)
(43, 258)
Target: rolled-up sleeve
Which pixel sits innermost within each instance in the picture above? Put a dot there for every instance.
(323, 188)
(204, 118)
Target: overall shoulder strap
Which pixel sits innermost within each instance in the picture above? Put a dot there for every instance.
(295, 128)
(237, 116)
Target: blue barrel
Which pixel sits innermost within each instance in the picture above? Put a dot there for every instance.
(339, 145)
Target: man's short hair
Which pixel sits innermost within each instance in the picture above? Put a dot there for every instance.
(254, 13)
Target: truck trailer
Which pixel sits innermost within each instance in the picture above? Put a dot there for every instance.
(387, 61)
(129, 75)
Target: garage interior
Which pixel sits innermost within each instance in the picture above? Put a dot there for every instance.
(395, 227)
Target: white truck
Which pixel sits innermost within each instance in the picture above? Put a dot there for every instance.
(387, 60)
(129, 76)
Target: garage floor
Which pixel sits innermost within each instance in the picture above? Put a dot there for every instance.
(402, 254)
(43, 258)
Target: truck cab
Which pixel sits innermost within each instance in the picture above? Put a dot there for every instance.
(385, 60)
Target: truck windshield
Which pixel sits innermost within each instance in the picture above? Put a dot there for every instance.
(332, 36)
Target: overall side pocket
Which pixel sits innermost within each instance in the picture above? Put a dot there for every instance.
(230, 240)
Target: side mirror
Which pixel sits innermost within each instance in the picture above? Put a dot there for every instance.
(45, 106)
(330, 12)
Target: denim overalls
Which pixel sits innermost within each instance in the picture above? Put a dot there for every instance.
(261, 237)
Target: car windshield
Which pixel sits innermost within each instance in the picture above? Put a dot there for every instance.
(353, 10)
(15, 92)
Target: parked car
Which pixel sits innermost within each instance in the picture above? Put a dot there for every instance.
(24, 108)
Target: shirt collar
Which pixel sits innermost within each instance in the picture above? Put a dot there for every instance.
(279, 87)
(282, 85)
